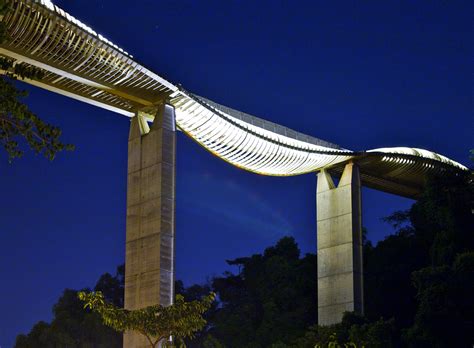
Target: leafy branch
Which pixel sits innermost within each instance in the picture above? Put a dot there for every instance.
(157, 323)
(16, 120)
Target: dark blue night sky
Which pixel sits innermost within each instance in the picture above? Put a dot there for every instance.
(363, 76)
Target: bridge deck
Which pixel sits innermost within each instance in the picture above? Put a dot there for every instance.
(79, 63)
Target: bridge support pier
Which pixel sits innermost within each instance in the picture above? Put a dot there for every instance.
(150, 235)
(339, 252)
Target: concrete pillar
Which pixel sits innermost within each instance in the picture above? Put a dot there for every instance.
(149, 259)
(339, 252)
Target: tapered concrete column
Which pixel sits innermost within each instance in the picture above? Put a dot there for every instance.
(339, 238)
(149, 260)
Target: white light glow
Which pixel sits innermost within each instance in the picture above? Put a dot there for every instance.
(243, 140)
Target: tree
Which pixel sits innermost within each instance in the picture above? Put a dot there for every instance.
(112, 287)
(73, 327)
(271, 298)
(157, 323)
(388, 291)
(422, 276)
(442, 217)
(17, 122)
(354, 331)
(432, 232)
(445, 313)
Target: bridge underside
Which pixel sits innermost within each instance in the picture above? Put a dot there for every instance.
(81, 64)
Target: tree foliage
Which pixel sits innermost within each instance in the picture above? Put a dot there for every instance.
(73, 327)
(18, 124)
(272, 297)
(409, 275)
(354, 331)
(157, 323)
(418, 284)
(445, 312)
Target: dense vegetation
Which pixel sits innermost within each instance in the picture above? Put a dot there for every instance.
(72, 326)
(419, 283)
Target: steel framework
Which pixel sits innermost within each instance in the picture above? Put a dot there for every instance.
(79, 63)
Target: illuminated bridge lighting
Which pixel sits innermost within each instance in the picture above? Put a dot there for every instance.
(82, 64)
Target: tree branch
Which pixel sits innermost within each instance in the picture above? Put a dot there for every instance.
(4, 119)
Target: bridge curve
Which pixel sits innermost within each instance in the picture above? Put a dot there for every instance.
(82, 64)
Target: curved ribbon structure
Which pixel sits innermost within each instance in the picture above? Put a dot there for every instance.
(84, 65)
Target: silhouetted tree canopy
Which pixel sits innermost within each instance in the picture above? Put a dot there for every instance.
(445, 311)
(72, 326)
(272, 298)
(419, 283)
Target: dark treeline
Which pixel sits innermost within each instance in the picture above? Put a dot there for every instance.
(72, 326)
(419, 286)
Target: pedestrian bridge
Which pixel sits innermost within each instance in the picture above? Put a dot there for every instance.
(82, 64)
(79, 63)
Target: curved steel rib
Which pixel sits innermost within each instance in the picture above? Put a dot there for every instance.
(84, 65)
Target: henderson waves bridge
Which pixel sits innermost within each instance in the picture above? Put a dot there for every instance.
(81, 64)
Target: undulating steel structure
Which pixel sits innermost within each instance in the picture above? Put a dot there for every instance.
(84, 65)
